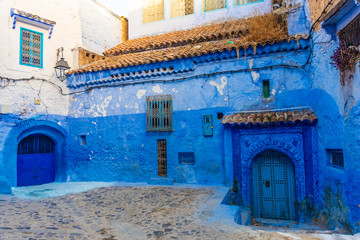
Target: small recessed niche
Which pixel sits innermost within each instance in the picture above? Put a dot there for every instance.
(82, 139)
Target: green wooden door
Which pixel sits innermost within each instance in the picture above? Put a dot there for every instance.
(273, 186)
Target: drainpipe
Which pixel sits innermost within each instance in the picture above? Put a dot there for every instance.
(125, 29)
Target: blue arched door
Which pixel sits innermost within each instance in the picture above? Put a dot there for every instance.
(273, 186)
(35, 160)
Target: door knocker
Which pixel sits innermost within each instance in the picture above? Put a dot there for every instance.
(267, 183)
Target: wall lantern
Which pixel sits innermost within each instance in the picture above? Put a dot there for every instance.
(61, 65)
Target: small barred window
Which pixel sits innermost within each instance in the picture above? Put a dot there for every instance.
(159, 113)
(181, 7)
(31, 48)
(153, 10)
(162, 158)
(209, 5)
(242, 2)
(336, 158)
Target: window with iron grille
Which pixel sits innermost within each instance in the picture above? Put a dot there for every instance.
(336, 158)
(242, 2)
(162, 158)
(31, 48)
(153, 10)
(159, 113)
(349, 35)
(209, 5)
(181, 7)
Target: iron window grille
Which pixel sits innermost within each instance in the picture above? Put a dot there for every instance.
(242, 2)
(349, 35)
(31, 48)
(162, 158)
(159, 113)
(336, 158)
(36, 144)
(181, 7)
(153, 10)
(210, 5)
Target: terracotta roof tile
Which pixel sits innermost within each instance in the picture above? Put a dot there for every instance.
(270, 118)
(185, 44)
(210, 32)
(167, 54)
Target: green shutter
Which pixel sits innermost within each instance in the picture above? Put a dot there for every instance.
(266, 88)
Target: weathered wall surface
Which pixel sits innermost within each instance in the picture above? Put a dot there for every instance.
(113, 118)
(78, 24)
(317, 7)
(38, 83)
(337, 107)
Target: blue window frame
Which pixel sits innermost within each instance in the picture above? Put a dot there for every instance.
(159, 113)
(31, 48)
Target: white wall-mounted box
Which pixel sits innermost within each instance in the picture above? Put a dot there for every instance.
(4, 109)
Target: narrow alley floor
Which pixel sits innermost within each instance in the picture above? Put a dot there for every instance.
(132, 211)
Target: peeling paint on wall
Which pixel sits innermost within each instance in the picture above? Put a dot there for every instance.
(140, 93)
(254, 74)
(157, 89)
(220, 87)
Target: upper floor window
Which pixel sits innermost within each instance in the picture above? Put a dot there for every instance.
(349, 35)
(31, 44)
(159, 113)
(209, 5)
(242, 2)
(181, 7)
(153, 10)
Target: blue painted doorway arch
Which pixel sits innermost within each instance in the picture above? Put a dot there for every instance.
(35, 160)
(273, 186)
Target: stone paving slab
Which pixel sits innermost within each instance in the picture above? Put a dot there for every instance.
(132, 212)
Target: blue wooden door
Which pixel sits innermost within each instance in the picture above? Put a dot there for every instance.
(35, 161)
(273, 186)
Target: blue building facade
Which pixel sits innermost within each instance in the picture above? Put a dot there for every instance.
(273, 119)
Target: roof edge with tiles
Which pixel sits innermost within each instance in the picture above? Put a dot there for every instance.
(233, 28)
(193, 50)
(270, 118)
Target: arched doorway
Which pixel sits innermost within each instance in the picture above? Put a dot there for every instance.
(273, 186)
(35, 160)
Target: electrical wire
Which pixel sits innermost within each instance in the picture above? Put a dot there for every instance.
(4, 81)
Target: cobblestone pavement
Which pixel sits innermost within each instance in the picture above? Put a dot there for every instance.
(124, 213)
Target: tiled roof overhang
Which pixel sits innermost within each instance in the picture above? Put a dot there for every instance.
(203, 40)
(194, 50)
(270, 118)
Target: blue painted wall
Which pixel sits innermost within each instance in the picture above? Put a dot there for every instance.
(113, 118)
(111, 114)
(337, 107)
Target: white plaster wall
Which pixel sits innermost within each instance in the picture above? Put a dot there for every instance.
(100, 29)
(67, 34)
(138, 29)
(79, 23)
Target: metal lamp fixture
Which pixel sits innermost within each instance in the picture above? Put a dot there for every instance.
(61, 65)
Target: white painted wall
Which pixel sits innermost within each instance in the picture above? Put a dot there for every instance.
(100, 29)
(79, 23)
(138, 29)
